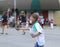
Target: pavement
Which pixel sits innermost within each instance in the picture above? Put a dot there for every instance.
(16, 39)
(52, 37)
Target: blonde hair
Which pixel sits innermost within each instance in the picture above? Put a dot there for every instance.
(35, 16)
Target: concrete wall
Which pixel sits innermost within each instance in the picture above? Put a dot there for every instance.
(50, 15)
(49, 4)
(57, 17)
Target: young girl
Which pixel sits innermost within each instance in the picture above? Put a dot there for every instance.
(18, 22)
(51, 23)
(4, 21)
(37, 31)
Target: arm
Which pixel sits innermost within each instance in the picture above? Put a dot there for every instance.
(35, 35)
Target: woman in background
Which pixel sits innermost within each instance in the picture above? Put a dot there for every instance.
(4, 21)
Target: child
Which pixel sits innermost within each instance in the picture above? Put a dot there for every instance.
(51, 24)
(37, 31)
(11, 21)
(4, 22)
(18, 23)
(42, 22)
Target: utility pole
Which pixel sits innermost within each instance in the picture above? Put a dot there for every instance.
(15, 10)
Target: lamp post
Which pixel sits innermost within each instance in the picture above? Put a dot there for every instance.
(14, 4)
(15, 9)
(58, 3)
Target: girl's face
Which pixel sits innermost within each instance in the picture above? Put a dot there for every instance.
(32, 20)
(22, 13)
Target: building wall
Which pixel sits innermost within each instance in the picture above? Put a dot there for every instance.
(57, 17)
(50, 15)
(27, 4)
(45, 15)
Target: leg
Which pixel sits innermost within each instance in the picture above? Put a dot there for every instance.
(36, 45)
(6, 30)
(8, 26)
(2, 30)
(41, 46)
(23, 32)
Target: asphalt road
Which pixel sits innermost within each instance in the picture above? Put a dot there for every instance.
(16, 39)
(52, 37)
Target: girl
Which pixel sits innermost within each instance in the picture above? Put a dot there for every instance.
(4, 21)
(51, 23)
(37, 31)
(18, 23)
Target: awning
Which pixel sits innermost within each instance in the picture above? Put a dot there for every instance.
(31, 4)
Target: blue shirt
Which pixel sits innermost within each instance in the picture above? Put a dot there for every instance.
(23, 19)
(4, 18)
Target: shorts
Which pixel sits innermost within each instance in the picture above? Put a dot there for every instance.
(4, 23)
(36, 45)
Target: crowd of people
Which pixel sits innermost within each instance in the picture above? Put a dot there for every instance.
(18, 19)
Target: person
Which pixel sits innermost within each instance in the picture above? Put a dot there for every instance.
(23, 20)
(51, 23)
(23, 17)
(36, 31)
(11, 21)
(18, 22)
(47, 22)
(4, 21)
(42, 22)
(39, 20)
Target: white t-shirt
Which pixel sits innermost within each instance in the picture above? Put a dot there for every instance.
(35, 29)
(11, 19)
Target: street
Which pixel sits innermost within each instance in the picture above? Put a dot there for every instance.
(53, 37)
(16, 39)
